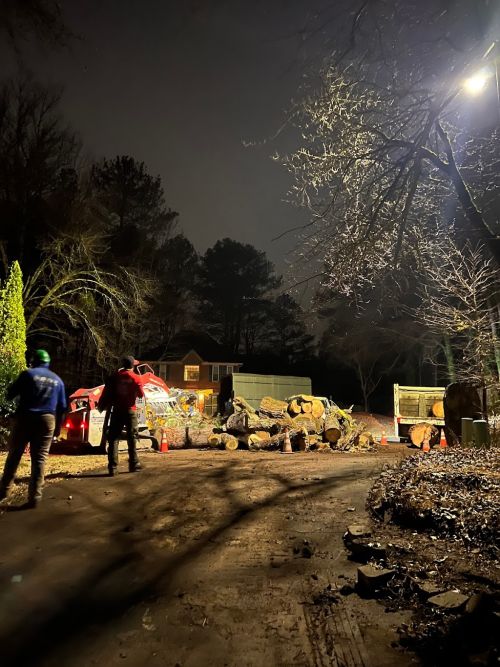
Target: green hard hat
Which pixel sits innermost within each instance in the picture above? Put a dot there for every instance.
(42, 355)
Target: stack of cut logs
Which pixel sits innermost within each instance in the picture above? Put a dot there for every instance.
(310, 426)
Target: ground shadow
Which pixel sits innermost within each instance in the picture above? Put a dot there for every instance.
(88, 475)
(18, 508)
(108, 589)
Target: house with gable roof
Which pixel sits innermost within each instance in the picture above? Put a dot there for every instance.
(192, 360)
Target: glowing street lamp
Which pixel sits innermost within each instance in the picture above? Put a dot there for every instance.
(476, 83)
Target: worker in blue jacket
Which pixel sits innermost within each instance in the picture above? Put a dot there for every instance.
(41, 407)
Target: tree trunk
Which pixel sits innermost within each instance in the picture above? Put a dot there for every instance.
(450, 361)
(473, 214)
(496, 342)
(364, 386)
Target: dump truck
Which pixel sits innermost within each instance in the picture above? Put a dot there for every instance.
(414, 405)
(85, 427)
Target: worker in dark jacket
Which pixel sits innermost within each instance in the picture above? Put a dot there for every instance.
(120, 393)
(42, 404)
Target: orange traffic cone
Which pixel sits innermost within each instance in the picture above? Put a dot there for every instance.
(383, 439)
(287, 445)
(426, 448)
(164, 442)
(442, 443)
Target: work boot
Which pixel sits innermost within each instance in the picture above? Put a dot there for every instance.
(135, 468)
(111, 472)
(32, 504)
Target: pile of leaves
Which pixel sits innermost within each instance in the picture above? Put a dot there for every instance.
(454, 494)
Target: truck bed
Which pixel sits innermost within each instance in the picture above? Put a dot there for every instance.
(413, 405)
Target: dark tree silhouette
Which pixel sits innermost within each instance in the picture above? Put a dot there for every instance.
(132, 195)
(233, 277)
(290, 337)
(23, 20)
(175, 275)
(36, 149)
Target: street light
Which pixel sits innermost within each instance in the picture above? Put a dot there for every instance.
(476, 83)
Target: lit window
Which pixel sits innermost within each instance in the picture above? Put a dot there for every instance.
(191, 373)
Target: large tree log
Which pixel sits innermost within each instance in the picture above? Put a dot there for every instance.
(261, 423)
(176, 436)
(239, 403)
(274, 442)
(333, 430)
(418, 433)
(294, 408)
(215, 440)
(302, 397)
(438, 409)
(306, 407)
(249, 439)
(306, 421)
(229, 441)
(242, 422)
(318, 409)
(271, 407)
(197, 436)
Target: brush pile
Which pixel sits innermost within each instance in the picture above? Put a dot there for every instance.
(454, 494)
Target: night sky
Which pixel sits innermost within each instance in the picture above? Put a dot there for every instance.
(182, 86)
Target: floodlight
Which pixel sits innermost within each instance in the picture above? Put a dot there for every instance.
(476, 83)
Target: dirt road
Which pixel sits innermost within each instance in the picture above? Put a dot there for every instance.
(204, 558)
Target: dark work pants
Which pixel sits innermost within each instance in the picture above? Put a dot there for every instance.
(122, 420)
(37, 430)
